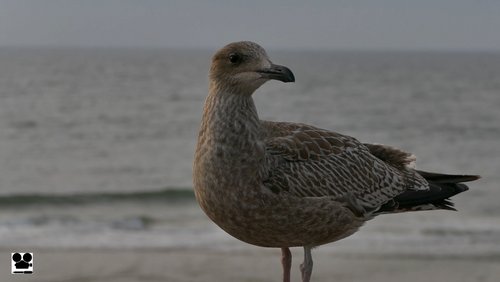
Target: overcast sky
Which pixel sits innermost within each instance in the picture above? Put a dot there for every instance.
(348, 24)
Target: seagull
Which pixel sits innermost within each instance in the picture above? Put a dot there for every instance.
(284, 184)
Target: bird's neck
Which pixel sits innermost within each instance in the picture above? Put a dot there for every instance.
(229, 141)
(230, 120)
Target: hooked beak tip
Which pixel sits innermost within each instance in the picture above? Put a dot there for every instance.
(278, 72)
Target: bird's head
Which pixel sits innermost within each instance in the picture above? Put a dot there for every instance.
(242, 67)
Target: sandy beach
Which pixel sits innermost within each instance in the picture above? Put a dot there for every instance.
(246, 265)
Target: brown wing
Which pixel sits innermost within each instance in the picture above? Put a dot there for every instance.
(393, 156)
(306, 161)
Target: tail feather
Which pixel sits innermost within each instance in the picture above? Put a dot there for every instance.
(441, 188)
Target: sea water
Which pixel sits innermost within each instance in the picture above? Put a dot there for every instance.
(96, 145)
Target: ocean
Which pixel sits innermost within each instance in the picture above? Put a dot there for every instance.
(96, 145)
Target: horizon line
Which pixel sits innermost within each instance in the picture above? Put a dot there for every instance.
(271, 48)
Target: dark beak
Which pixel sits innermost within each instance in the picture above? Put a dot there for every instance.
(277, 72)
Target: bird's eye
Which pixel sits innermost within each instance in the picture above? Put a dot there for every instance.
(234, 58)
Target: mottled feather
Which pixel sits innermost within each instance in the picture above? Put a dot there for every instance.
(307, 161)
(392, 156)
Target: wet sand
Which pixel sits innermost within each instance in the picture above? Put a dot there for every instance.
(246, 265)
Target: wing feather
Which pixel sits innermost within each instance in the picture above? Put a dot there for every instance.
(306, 161)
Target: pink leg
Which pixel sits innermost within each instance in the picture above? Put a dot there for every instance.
(286, 261)
(307, 265)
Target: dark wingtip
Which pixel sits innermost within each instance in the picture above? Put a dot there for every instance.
(467, 178)
(437, 197)
(447, 178)
(461, 188)
(446, 204)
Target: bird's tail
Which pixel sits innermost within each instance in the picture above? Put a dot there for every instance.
(441, 188)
